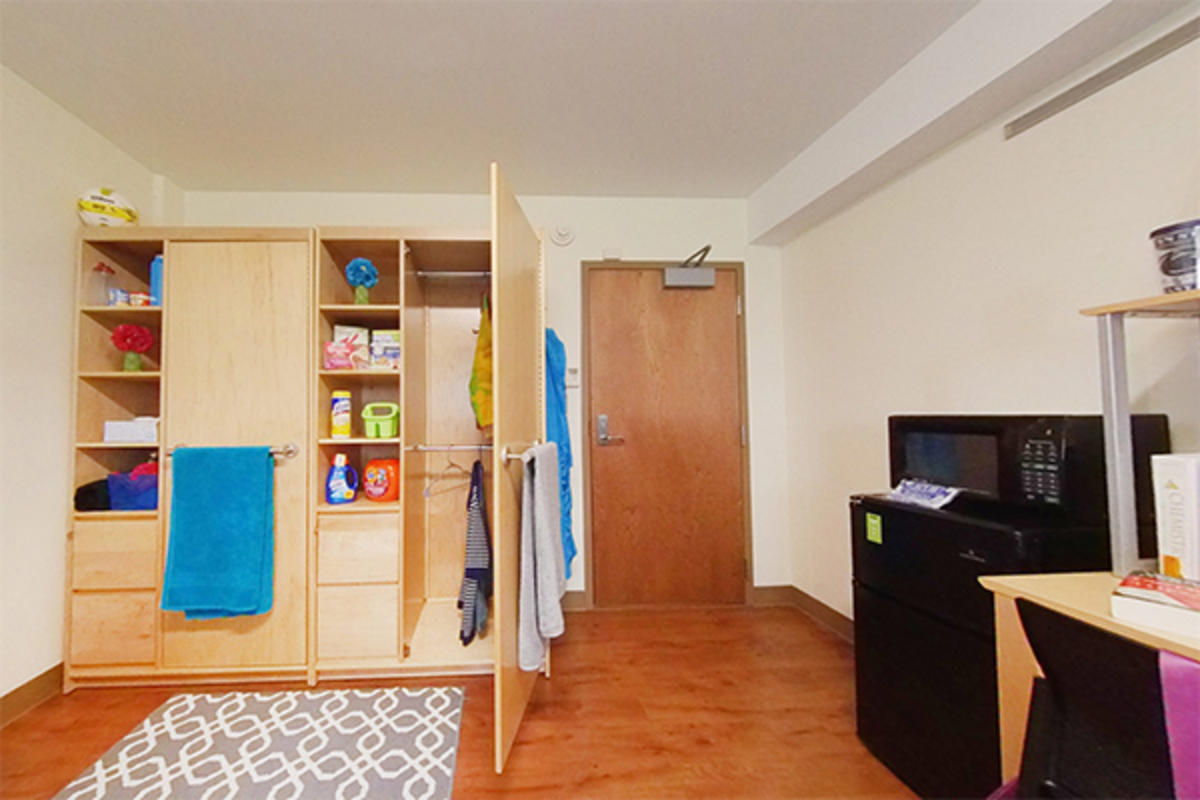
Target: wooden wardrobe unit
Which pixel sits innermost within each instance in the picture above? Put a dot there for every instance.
(363, 589)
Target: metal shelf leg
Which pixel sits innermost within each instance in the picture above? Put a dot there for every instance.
(1118, 448)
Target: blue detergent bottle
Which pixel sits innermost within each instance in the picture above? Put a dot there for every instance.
(342, 482)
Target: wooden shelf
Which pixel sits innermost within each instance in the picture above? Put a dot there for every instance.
(113, 515)
(369, 308)
(359, 373)
(118, 375)
(1176, 304)
(359, 440)
(359, 506)
(138, 314)
(116, 446)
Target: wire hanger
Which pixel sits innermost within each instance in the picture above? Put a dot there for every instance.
(451, 467)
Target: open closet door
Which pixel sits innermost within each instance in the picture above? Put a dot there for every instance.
(518, 356)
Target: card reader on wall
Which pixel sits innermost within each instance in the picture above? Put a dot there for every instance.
(690, 274)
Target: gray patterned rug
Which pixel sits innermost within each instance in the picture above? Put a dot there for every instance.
(344, 744)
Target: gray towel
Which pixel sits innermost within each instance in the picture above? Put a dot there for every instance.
(542, 582)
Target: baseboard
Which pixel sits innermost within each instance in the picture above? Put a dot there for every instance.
(31, 693)
(575, 600)
(792, 597)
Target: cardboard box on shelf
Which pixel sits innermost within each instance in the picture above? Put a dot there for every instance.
(385, 349)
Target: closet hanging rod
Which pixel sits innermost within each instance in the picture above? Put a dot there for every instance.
(449, 273)
(511, 452)
(447, 448)
(289, 450)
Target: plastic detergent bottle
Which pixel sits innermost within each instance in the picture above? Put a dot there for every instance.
(342, 482)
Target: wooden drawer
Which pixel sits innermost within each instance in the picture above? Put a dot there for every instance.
(358, 621)
(358, 548)
(112, 628)
(115, 554)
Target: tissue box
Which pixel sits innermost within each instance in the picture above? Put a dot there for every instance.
(1177, 513)
(385, 349)
(139, 430)
(354, 346)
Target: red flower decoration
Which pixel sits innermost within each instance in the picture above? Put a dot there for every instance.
(132, 338)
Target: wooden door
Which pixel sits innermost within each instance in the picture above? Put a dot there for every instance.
(518, 355)
(667, 490)
(237, 366)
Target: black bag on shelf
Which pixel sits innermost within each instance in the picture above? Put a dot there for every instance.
(93, 496)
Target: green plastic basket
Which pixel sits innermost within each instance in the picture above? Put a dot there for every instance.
(381, 420)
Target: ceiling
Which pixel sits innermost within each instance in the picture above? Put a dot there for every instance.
(579, 97)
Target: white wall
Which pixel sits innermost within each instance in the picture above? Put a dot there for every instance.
(956, 289)
(639, 228)
(48, 158)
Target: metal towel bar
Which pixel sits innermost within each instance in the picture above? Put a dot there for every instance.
(507, 452)
(289, 450)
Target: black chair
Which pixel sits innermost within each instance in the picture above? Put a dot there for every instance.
(1096, 723)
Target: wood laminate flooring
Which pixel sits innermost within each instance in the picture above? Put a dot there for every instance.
(695, 703)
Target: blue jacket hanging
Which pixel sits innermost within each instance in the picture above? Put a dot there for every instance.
(557, 432)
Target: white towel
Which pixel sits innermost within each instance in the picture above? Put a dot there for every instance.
(542, 580)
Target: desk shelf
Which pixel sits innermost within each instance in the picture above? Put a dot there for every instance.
(1118, 438)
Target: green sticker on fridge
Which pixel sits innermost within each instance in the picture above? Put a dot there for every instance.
(874, 528)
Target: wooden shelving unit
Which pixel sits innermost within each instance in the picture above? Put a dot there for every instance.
(114, 555)
(359, 589)
(357, 548)
(1118, 439)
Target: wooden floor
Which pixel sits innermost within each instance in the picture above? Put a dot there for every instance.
(714, 703)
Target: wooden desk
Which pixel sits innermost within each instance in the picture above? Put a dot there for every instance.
(1080, 595)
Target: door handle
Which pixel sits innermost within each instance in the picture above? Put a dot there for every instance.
(603, 438)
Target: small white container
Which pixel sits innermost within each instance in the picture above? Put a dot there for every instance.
(139, 430)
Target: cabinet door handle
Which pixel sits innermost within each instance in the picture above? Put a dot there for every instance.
(971, 555)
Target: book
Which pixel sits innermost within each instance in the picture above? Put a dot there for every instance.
(1158, 601)
(1177, 513)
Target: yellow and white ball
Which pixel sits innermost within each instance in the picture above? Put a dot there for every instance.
(105, 207)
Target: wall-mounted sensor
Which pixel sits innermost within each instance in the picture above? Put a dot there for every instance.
(562, 235)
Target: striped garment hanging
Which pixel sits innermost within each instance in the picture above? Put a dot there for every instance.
(476, 590)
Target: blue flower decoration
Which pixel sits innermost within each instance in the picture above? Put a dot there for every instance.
(361, 272)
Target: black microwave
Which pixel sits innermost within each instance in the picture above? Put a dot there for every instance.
(1052, 463)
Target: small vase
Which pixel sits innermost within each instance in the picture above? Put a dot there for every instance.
(362, 295)
(132, 362)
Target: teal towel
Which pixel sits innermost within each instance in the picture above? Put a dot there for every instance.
(221, 548)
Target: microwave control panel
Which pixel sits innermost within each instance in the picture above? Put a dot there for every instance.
(1043, 462)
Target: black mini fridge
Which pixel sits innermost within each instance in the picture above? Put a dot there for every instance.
(925, 652)
(1032, 499)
